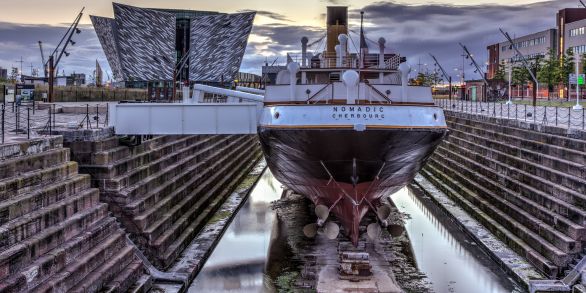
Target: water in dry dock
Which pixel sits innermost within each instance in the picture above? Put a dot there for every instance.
(449, 258)
(239, 262)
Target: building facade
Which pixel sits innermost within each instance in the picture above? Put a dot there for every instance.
(532, 46)
(144, 46)
(570, 33)
(3, 73)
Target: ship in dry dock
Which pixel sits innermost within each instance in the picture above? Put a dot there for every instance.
(345, 129)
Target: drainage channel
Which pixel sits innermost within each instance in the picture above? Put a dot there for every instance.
(450, 259)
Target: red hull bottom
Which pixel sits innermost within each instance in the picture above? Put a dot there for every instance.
(348, 204)
(323, 164)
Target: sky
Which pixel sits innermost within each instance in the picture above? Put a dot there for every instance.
(411, 28)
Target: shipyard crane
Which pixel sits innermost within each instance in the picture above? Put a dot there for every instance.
(60, 50)
(477, 70)
(581, 2)
(43, 59)
(446, 76)
(526, 64)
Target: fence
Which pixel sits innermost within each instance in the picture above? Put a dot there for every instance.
(544, 115)
(25, 121)
(92, 94)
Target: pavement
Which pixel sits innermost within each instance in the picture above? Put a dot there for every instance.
(22, 123)
(564, 117)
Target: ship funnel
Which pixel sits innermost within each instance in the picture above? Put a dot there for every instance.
(381, 54)
(350, 79)
(343, 39)
(405, 69)
(304, 41)
(293, 68)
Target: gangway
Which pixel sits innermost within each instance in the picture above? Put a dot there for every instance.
(193, 115)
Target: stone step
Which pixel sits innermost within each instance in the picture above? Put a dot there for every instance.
(121, 152)
(193, 227)
(146, 197)
(95, 146)
(142, 285)
(43, 197)
(140, 180)
(76, 271)
(30, 181)
(32, 262)
(547, 143)
(144, 157)
(127, 279)
(513, 146)
(36, 222)
(83, 151)
(14, 167)
(515, 243)
(109, 156)
(534, 202)
(559, 199)
(124, 266)
(504, 213)
(231, 156)
(564, 186)
(30, 147)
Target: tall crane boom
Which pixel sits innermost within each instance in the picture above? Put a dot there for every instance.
(43, 58)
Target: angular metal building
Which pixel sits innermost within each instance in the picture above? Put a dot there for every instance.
(143, 45)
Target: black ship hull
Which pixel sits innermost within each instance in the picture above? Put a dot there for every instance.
(347, 170)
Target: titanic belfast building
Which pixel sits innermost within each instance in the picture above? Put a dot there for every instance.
(144, 46)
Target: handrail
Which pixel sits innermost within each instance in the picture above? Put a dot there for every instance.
(318, 92)
(379, 92)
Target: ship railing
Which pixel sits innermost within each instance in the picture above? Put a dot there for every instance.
(378, 92)
(335, 91)
(351, 61)
(331, 84)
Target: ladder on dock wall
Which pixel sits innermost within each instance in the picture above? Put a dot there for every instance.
(239, 114)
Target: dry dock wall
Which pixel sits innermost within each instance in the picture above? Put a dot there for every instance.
(164, 190)
(525, 183)
(55, 234)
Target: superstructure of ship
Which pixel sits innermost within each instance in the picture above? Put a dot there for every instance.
(345, 129)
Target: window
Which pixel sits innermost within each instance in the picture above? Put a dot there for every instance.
(577, 31)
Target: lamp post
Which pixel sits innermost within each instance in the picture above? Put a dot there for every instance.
(510, 101)
(578, 106)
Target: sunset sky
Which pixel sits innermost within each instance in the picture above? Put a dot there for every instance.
(411, 28)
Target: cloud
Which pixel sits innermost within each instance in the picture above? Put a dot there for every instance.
(417, 30)
(411, 30)
(21, 40)
(269, 14)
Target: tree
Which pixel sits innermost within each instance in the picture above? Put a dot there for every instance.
(567, 67)
(549, 71)
(520, 76)
(500, 72)
(420, 79)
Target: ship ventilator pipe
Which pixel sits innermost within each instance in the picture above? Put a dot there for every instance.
(405, 70)
(200, 89)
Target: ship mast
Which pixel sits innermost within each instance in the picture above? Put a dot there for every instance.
(362, 40)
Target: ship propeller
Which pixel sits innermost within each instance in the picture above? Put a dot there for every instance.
(322, 212)
(374, 230)
(383, 213)
(310, 230)
(331, 230)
